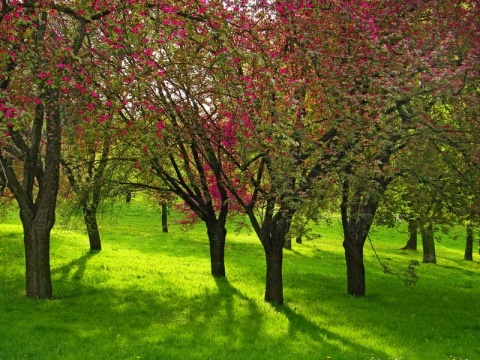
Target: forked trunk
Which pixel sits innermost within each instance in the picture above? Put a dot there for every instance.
(469, 244)
(274, 281)
(216, 236)
(357, 218)
(428, 245)
(273, 239)
(90, 217)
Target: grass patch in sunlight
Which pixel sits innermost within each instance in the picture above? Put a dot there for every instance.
(149, 295)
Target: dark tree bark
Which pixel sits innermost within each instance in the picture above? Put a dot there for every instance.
(428, 242)
(272, 233)
(412, 242)
(90, 217)
(274, 278)
(216, 236)
(164, 217)
(298, 239)
(36, 234)
(469, 244)
(356, 285)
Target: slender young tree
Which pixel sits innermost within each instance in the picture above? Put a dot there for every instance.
(469, 243)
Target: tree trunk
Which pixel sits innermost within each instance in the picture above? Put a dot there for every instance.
(469, 244)
(355, 267)
(412, 235)
(272, 234)
(38, 217)
(164, 217)
(216, 236)
(298, 239)
(428, 245)
(357, 217)
(36, 235)
(90, 217)
(274, 281)
(288, 243)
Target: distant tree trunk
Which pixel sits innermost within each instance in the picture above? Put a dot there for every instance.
(216, 236)
(90, 217)
(412, 235)
(428, 244)
(298, 239)
(128, 197)
(469, 244)
(164, 217)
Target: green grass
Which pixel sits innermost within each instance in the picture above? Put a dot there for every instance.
(149, 295)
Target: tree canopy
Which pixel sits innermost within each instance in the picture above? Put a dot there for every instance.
(262, 107)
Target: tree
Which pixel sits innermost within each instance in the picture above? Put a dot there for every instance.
(383, 108)
(292, 73)
(167, 109)
(36, 39)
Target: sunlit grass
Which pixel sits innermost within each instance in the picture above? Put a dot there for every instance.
(149, 295)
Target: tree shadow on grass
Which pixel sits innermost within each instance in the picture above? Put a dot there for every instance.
(131, 322)
(75, 269)
(301, 326)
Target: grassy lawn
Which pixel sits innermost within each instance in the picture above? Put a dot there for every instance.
(149, 295)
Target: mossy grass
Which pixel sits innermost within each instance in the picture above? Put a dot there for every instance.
(150, 295)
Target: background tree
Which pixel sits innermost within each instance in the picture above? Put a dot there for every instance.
(379, 109)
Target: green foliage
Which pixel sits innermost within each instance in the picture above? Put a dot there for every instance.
(149, 295)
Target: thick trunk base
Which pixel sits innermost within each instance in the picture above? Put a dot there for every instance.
(274, 281)
(355, 269)
(216, 236)
(37, 260)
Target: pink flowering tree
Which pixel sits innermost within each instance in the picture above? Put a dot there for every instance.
(334, 92)
(35, 38)
(383, 70)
